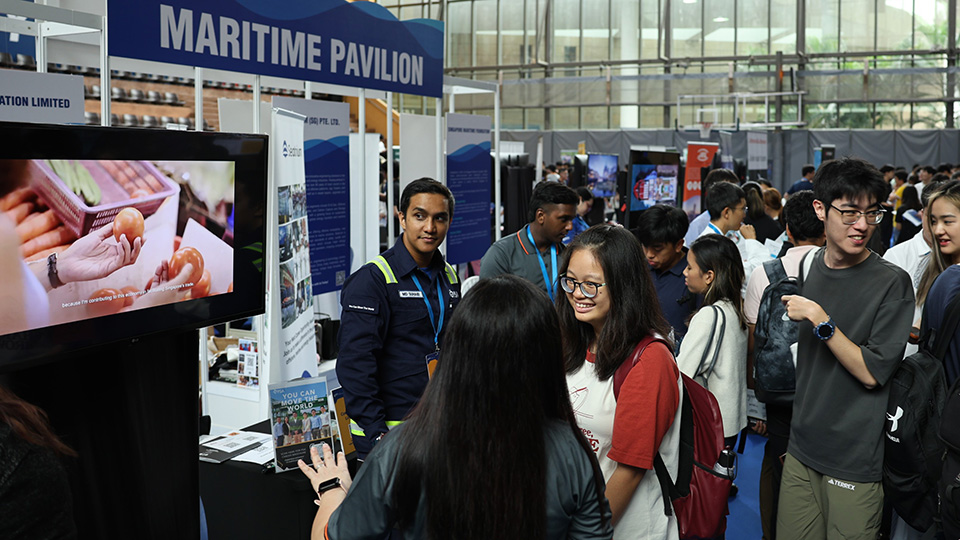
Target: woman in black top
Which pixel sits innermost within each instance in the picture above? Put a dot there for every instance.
(765, 226)
(907, 221)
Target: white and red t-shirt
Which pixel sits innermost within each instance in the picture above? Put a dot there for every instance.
(631, 430)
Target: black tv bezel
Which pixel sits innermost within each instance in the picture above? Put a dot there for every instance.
(249, 152)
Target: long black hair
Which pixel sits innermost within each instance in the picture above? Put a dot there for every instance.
(719, 254)
(634, 308)
(475, 443)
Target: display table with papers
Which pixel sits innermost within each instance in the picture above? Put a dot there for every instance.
(247, 500)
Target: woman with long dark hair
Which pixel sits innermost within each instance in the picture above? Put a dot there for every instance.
(491, 451)
(765, 226)
(35, 499)
(908, 221)
(716, 354)
(625, 388)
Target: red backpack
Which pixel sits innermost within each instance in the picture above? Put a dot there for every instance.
(699, 496)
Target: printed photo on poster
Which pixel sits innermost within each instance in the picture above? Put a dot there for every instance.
(248, 366)
(300, 416)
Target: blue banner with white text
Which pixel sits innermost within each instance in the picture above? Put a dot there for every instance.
(468, 177)
(358, 44)
(326, 164)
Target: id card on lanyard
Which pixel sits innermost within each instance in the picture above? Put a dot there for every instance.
(550, 283)
(431, 359)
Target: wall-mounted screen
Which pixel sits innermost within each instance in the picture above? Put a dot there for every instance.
(602, 174)
(113, 233)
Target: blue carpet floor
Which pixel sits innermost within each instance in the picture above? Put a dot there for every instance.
(743, 523)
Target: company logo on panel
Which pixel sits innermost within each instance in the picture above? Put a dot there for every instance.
(291, 151)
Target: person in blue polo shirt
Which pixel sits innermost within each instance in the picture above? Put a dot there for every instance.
(393, 314)
(661, 229)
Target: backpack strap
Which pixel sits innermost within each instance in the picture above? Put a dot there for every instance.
(775, 271)
(941, 337)
(718, 316)
(681, 488)
(805, 264)
(620, 375)
(451, 273)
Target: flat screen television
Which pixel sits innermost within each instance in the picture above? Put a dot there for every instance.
(73, 199)
(653, 179)
(602, 174)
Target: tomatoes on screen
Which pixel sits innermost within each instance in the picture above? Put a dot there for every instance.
(202, 288)
(184, 256)
(104, 302)
(129, 295)
(129, 222)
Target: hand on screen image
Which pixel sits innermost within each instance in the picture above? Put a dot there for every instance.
(163, 289)
(97, 255)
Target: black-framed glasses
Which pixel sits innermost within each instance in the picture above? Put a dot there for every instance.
(588, 288)
(849, 217)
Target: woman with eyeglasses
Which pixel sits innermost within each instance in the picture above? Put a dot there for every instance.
(714, 351)
(625, 387)
(491, 451)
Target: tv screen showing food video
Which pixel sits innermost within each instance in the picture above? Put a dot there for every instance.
(653, 184)
(115, 233)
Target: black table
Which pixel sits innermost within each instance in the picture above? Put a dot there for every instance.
(244, 500)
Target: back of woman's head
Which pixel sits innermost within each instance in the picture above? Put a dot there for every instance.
(754, 194)
(503, 343)
(720, 255)
(29, 423)
(772, 199)
(910, 200)
(634, 308)
(479, 427)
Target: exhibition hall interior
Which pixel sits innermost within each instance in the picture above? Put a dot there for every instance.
(659, 269)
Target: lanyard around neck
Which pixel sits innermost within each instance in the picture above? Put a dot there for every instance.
(436, 327)
(550, 283)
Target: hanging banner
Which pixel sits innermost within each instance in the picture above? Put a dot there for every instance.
(699, 156)
(290, 295)
(468, 177)
(756, 151)
(359, 44)
(326, 142)
(46, 98)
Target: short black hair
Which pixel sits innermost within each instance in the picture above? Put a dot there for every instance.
(799, 215)
(939, 177)
(807, 169)
(887, 168)
(723, 195)
(714, 176)
(929, 168)
(585, 193)
(547, 193)
(944, 168)
(661, 224)
(425, 185)
(901, 174)
(848, 177)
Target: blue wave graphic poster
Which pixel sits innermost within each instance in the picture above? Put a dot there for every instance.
(468, 177)
(326, 163)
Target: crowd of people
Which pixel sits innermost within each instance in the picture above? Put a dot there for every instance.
(672, 296)
(536, 404)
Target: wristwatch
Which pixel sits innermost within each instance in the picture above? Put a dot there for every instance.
(825, 330)
(327, 485)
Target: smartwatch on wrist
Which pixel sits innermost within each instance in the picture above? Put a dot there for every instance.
(825, 330)
(52, 273)
(327, 485)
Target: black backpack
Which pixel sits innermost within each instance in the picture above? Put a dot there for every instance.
(913, 451)
(774, 370)
(949, 489)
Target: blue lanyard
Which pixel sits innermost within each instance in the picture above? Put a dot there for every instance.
(436, 328)
(543, 266)
(731, 235)
(715, 229)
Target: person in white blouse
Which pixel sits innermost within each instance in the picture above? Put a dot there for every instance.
(714, 351)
